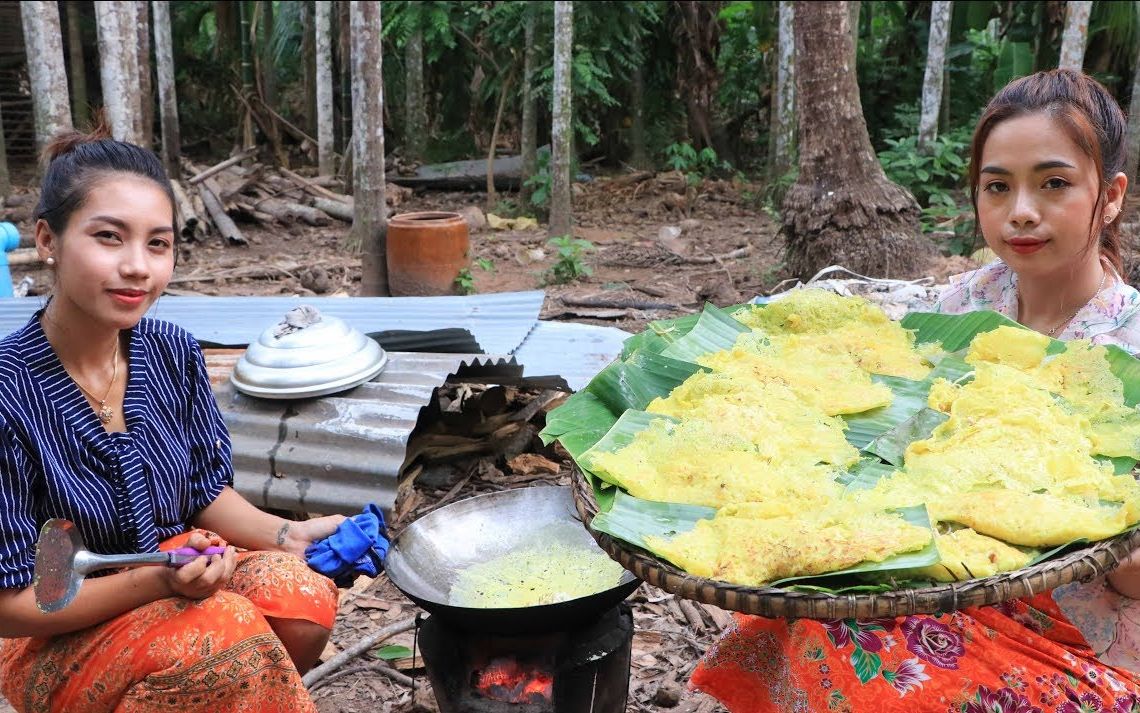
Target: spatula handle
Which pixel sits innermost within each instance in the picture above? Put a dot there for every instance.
(186, 555)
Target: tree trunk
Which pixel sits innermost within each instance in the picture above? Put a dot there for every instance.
(268, 65)
(325, 138)
(529, 139)
(344, 43)
(245, 40)
(842, 210)
(1076, 34)
(309, 62)
(167, 96)
(146, 72)
(784, 99)
(1130, 167)
(935, 68)
(853, 9)
(76, 63)
(370, 225)
(640, 152)
(561, 218)
(118, 68)
(45, 68)
(698, 40)
(226, 24)
(5, 178)
(415, 122)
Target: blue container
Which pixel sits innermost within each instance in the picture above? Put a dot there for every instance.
(9, 241)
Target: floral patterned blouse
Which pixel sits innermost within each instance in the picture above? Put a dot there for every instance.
(1112, 317)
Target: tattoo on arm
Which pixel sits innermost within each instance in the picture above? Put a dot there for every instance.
(281, 534)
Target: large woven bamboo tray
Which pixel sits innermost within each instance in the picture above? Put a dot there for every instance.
(1081, 565)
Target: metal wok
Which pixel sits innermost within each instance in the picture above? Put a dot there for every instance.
(425, 559)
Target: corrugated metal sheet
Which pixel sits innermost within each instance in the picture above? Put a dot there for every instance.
(499, 321)
(576, 352)
(337, 453)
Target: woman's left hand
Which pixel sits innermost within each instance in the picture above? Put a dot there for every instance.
(296, 536)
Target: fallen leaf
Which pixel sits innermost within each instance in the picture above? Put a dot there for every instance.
(645, 661)
(532, 463)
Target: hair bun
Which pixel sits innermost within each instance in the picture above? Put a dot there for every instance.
(68, 140)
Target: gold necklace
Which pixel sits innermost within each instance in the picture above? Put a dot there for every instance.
(1103, 278)
(105, 412)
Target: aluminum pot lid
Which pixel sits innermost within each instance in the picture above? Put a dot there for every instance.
(307, 354)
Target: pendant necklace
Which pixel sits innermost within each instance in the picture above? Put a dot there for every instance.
(105, 412)
(1103, 278)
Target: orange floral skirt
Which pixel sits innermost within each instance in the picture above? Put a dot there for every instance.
(1022, 656)
(180, 655)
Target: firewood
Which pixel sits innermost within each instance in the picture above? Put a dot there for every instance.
(218, 167)
(340, 210)
(186, 213)
(288, 212)
(24, 256)
(312, 187)
(229, 231)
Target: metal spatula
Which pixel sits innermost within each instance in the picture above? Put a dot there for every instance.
(62, 563)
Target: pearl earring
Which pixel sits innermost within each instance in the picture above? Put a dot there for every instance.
(50, 261)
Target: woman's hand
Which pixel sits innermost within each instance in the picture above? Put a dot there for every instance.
(295, 537)
(205, 575)
(1125, 579)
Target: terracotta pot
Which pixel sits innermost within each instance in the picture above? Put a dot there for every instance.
(426, 251)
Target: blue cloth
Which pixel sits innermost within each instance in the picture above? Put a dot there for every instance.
(357, 547)
(125, 492)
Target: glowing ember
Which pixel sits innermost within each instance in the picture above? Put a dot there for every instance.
(506, 680)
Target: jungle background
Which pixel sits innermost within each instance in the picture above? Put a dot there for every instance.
(684, 171)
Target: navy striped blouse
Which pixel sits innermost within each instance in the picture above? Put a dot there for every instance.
(126, 491)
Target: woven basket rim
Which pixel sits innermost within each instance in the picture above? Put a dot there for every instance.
(1083, 565)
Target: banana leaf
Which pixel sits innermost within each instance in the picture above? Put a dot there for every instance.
(892, 445)
(657, 336)
(909, 399)
(714, 331)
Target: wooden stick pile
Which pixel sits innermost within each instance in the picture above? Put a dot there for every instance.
(212, 201)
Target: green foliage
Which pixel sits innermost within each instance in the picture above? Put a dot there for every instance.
(683, 157)
(571, 263)
(465, 282)
(952, 222)
(486, 264)
(929, 173)
(541, 183)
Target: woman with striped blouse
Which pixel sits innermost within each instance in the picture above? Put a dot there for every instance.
(107, 420)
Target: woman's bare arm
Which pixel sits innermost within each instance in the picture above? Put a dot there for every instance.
(242, 524)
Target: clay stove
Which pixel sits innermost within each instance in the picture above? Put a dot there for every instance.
(581, 670)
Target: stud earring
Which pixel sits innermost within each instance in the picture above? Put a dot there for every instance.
(50, 261)
(1108, 218)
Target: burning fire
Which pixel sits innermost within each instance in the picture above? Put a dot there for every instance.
(505, 679)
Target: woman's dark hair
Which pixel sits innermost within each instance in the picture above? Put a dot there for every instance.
(1085, 111)
(77, 161)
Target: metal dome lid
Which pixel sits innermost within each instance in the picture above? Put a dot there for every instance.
(307, 354)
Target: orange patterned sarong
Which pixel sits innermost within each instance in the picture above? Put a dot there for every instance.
(177, 654)
(1022, 656)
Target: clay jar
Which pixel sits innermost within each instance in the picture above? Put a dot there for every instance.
(426, 252)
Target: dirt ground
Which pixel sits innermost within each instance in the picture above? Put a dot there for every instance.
(660, 249)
